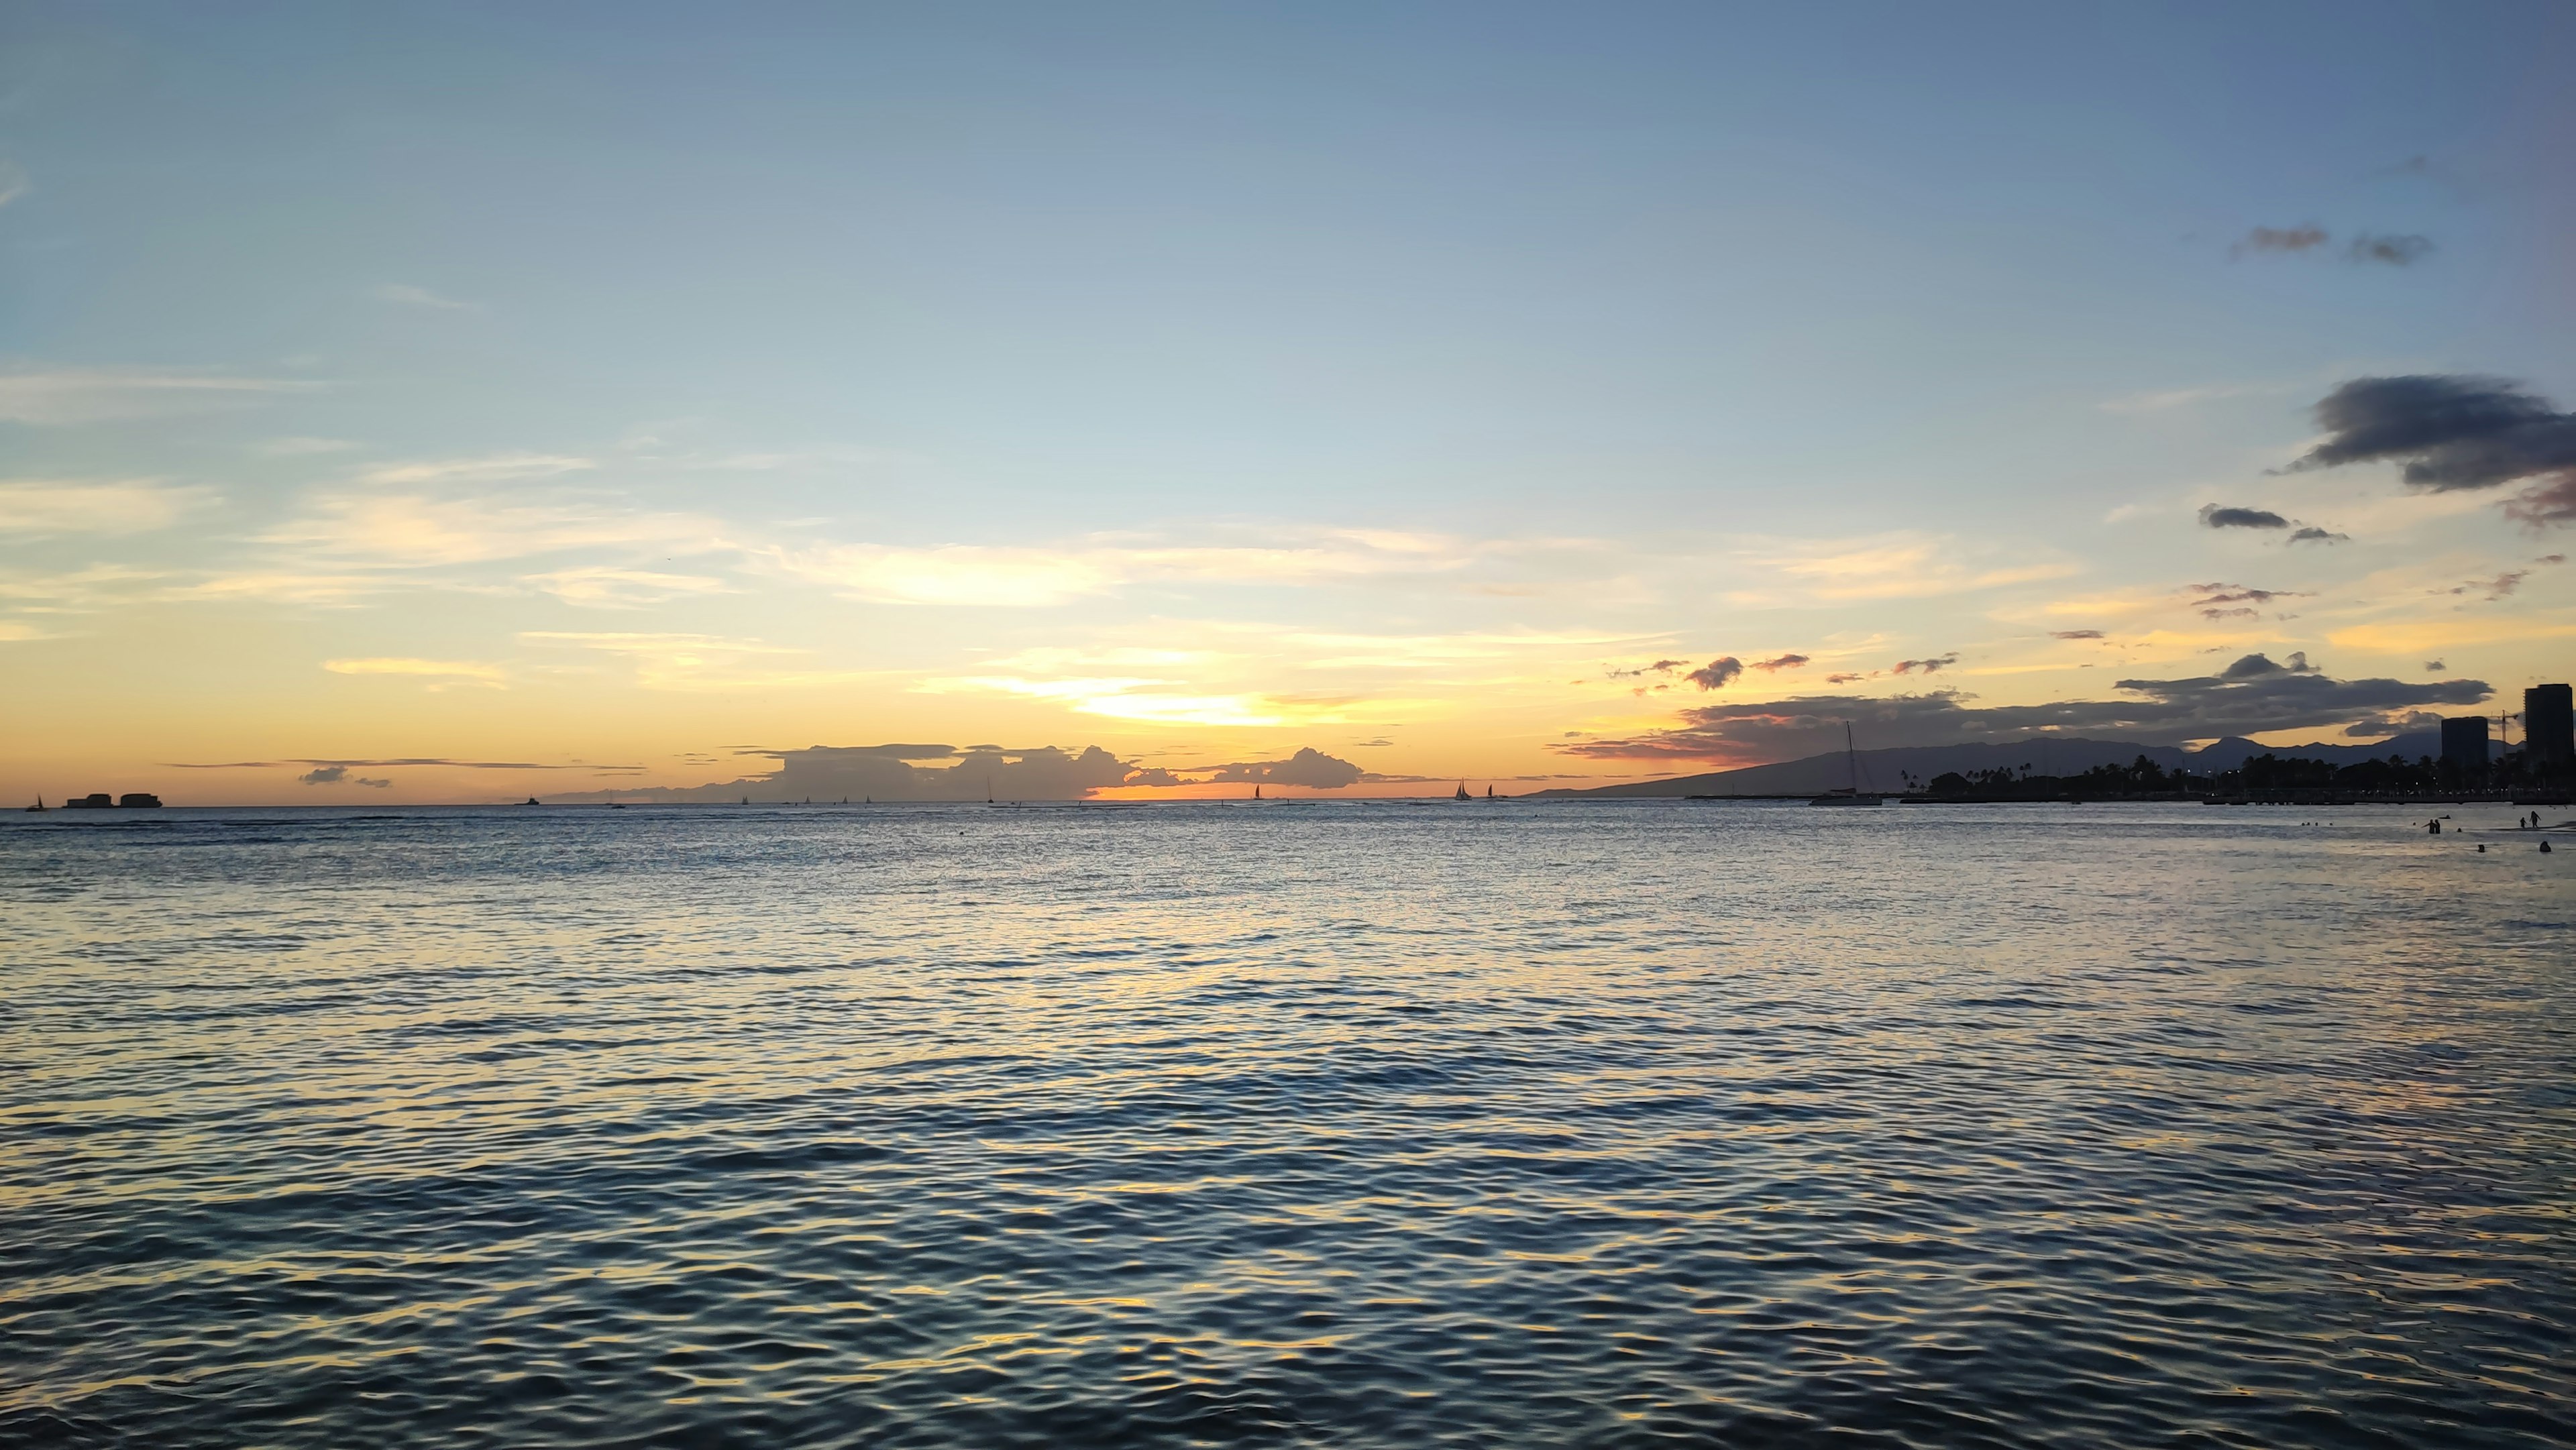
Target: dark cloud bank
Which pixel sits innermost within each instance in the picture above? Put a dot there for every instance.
(978, 772)
(2454, 432)
(2253, 695)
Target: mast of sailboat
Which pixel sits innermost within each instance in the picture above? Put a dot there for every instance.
(1851, 758)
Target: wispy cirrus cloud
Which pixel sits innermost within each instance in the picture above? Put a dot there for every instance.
(1147, 700)
(1901, 565)
(408, 295)
(1412, 653)
(670, 660)
(607, 586)
(64, 396)
(417, 530)
(484, 468)
(442, 671)
(2167, 400)
(1036, 577)
(70, 506)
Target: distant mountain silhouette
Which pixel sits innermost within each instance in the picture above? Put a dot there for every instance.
(1885, 770)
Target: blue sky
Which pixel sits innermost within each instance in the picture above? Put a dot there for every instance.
(1556, 339)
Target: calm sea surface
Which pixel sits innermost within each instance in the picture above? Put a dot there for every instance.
(1331, 1125)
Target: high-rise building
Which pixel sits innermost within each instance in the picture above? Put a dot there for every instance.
(2464, 742)
(2549, 726)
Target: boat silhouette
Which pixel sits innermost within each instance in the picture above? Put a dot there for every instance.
(1851, 794)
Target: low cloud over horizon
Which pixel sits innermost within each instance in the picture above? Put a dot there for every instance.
(2254, 695)
(980, 772)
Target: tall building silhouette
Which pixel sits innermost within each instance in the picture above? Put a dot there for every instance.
(2549, 726)
(2464, 742)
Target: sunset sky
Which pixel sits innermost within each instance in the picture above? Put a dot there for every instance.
(462, 403)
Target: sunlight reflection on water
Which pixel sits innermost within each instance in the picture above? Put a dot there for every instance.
(1496, 1125)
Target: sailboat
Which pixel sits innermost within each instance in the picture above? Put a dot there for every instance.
(1849, 795)
(38, 806)
(1462, 793)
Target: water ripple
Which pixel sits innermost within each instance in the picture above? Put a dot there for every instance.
(1496, 1126)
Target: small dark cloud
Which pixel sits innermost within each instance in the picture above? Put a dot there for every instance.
(2454, 432)
(1717, 673)
(2235, 601)
(2395, 251)
(2218, 516)
(2075, 634)
(1778, 662)
(1308, 767)
(1659, 667)
(2549, 503)
(1843, 679)
(2388, 249)
(2434, 667)
(2281, 240)
(2256, 666)
(338, 775)
(1929, 667)
(1370, 744)
(2497, 587)
(2215, 516)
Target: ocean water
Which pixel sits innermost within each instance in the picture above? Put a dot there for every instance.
(1329, 1125)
